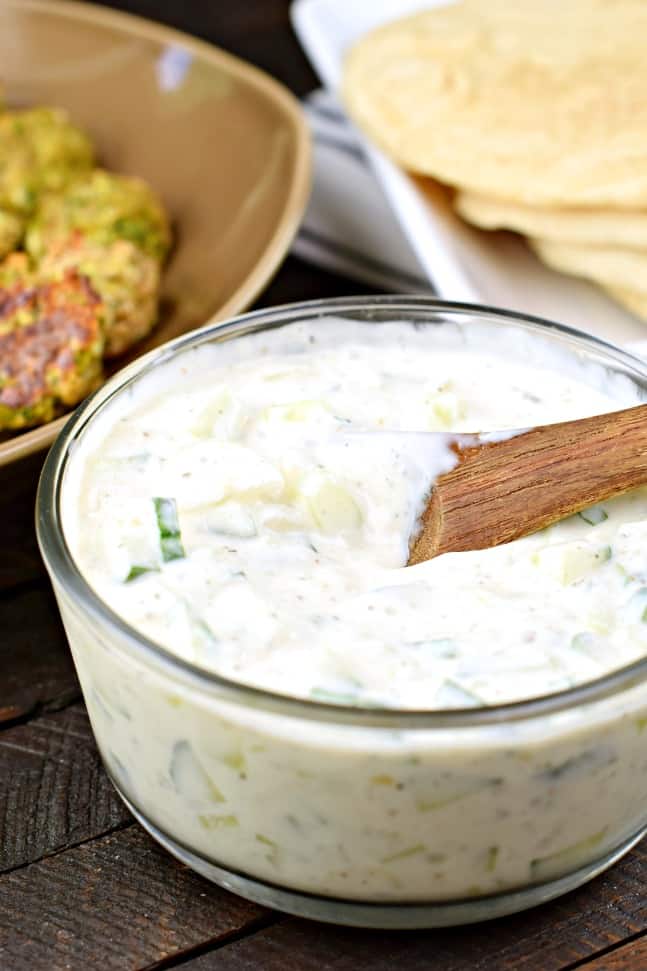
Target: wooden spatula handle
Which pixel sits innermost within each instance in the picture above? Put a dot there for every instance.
(503, 490)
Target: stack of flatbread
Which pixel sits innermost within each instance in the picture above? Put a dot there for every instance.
(535, 111)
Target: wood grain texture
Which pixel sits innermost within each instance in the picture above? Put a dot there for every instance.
(502, 490)
(20, 560)
(114, 903)
(37, 670)
(629, 957)
(53, 790)
(549, 938)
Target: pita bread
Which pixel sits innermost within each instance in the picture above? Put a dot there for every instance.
(543, 103)
(613, 267)
(633, 301)
(603, 227)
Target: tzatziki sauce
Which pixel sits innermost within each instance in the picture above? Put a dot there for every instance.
(246, 504)
(290, 483)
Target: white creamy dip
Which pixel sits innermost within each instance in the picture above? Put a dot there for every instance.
(294, 479)
(247, 503)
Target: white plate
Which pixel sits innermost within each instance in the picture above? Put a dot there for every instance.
(462, 263)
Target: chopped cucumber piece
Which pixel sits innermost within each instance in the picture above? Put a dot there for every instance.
(637, 607)
(222, 417)
(332, 507)
(346, 698)
(594, 515)
(445, 409)
(566, 860)
(190, 778)
(445, 796)
(169, 529)
(451, 694)
(440, 647)
(202, 635)
(580, 563)
(298, 411)
(334, 697)
(225, 518)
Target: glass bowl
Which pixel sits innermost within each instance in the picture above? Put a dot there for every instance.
(369, 817)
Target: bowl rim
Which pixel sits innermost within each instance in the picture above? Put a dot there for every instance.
(66, 574)
(31, 440)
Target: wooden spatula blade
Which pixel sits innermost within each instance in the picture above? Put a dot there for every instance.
(502, 490)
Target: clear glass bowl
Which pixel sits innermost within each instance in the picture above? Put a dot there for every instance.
(369, 817)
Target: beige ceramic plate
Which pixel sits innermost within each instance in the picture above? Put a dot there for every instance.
(224, 145)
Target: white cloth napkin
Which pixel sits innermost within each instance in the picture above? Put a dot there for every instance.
(349, 227)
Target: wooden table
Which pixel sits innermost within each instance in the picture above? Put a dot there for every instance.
(81, 885)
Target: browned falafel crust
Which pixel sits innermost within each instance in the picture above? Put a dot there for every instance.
(50, 347)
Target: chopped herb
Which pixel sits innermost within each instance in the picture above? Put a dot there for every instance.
(594, 515)
(211, 821)
(404, 854)
(492, 857)
(169, 529)
(588, 761)
(235, 760)
(271, 857)
(139, 571)
(265, 839)
(175, 701)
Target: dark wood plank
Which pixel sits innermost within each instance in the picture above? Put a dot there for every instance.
(20, 560)
(629, 957)
(53, 790)
(37, 669)
(548, 938)
(115, 903)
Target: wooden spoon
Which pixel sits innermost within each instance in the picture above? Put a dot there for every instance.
(501, 490)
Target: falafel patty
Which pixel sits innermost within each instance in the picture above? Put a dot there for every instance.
(51, 344)
(104, 208)
(11, 231)
(126, 278)
(40, 151)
